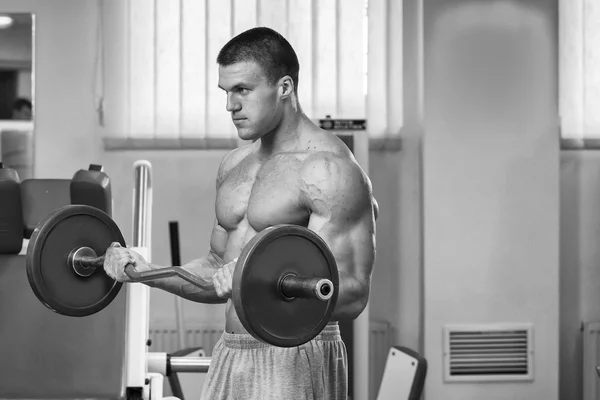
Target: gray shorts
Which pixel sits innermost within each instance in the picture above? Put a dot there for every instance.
(245, 368)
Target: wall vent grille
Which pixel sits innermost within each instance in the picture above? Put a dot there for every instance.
(488, 352)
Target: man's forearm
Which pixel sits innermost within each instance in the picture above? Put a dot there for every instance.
(204, 268)
(353, 295)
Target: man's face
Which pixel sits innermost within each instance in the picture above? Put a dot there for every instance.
(254, 104)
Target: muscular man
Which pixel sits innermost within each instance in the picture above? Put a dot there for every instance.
(292, 172)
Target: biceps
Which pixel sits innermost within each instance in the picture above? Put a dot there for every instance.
(353, 245)
(360, 238)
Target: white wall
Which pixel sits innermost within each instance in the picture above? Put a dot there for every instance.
(491, 183)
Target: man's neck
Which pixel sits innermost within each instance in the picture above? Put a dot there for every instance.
(285, 136)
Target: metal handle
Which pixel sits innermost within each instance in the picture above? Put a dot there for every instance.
(189, 364)
(166, 364)
(145, 276)
(84, 262)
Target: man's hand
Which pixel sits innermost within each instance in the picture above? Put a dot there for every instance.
(223, 280)
(117, 258)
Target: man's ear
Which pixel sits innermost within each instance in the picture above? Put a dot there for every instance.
(286, 85)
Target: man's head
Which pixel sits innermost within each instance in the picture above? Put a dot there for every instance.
(259, 71)
(22, 109)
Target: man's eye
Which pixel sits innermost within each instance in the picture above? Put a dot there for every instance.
(242, 90)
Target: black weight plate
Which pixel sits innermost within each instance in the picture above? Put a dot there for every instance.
(263, 311)
(52, 279)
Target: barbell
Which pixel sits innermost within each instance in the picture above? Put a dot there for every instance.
(285, 283)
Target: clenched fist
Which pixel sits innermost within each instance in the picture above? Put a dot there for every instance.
(118, 257)
(223, 280)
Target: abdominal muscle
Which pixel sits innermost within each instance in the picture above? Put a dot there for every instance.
(232, 321)
(238, 238)
(253, 197)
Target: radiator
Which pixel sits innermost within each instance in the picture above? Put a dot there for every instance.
(166, 339)
(380, 341)
(591, 360)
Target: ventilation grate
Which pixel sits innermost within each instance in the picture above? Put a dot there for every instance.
(479, 353)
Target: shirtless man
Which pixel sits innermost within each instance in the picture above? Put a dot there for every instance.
(291, 173)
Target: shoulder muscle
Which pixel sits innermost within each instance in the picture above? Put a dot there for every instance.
(335, 187)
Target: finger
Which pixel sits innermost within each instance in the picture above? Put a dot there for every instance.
(115, 244)
(216, 285)
(232, 265)
(222, 283)
(218, 288)
(110, 273)
(124, 256)
(227, 278)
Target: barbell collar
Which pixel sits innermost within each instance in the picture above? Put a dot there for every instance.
(84, 261)
(292, 286)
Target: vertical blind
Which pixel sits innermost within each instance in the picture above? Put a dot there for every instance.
(579, 66)
(160, 73)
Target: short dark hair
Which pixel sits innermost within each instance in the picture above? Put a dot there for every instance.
(267, 48)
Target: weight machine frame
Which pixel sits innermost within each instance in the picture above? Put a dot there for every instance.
(145, 371)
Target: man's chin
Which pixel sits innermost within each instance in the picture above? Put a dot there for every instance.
(245, 134)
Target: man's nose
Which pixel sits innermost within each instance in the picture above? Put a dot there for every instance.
(232, 103)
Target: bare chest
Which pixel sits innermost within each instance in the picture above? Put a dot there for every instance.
(262, 194)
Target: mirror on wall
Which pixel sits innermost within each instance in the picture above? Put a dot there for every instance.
(17, 110)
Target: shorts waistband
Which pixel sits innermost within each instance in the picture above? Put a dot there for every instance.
(330, 333)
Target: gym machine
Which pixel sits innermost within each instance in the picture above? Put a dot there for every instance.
(145, 371)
